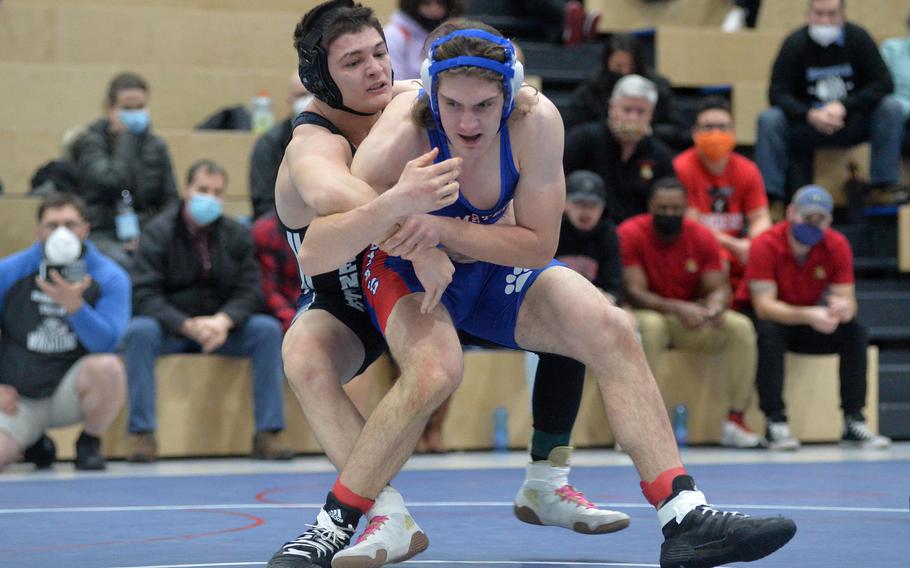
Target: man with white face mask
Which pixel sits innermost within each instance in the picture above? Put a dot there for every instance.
(197, 289)
(269, 150)
(829, 87)
(63, 309)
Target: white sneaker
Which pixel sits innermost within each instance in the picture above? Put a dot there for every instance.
(734, 21)
(734, 435)
(546, 498)
(391, 535)
(858, 435)
(778, 437)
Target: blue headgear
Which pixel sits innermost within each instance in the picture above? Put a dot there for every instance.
(511, 69)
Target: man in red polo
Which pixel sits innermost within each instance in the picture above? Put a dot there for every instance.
(799, 290)
(677, 284)
(725, 189)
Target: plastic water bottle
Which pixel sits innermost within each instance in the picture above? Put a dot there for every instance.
(126, 221)
(500, 429)
(681, 426)
(261, 110)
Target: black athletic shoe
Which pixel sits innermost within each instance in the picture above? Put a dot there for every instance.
(708, 537)
(88, 453)
(335, 525)
(42, 453)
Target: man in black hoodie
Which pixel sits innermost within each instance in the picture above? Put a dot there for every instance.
(829, 87)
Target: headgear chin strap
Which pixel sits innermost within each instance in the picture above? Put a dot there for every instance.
(511, 69)
(314, 69)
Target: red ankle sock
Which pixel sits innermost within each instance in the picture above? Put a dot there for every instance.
(351, 499)
(661, 488)
(737, 418)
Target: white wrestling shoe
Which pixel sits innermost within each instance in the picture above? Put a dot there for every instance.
(546, 498)
(391, 535)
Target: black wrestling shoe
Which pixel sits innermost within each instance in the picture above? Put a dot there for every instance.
(317, 546)
(42, 453)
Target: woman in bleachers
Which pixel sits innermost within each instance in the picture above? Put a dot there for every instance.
(623, 55)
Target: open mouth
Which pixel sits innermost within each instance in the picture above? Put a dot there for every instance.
(470, 139)
(377, 87)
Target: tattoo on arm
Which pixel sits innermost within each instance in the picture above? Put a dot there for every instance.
(759, 287)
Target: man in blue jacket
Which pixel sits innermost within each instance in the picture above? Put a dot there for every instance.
(63, 309)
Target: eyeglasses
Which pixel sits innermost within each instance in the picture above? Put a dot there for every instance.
(709, 127)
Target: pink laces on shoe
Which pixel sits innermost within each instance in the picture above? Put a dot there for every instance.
(375, 524)
(569, 493)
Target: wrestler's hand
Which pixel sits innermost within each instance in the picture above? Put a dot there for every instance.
(425, 186)
(434, 270)
(416, 232)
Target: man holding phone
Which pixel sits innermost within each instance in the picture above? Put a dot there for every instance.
(63, 309)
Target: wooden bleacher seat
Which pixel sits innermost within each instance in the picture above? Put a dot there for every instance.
(382, 7)
(25, 151)
(696, 57)
(56, 96)
(749, 100)
(635, 14)
(18, 223)
(205, 408)
(205, 405)
(882, 18)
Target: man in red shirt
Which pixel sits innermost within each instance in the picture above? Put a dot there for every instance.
(725, 189)
(799, 290)
(677, 284)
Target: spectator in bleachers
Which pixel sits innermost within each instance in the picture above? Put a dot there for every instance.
(407, 31)
(675, 280)
(896, 53)
(725, 189)
(587, 240)
(621, 149)
(118, 154)
(563, 21)
(279, 269)
(269, 150)
(64, 307)
(197, 289)
(799, 290)
(623, 55)
(829, 87)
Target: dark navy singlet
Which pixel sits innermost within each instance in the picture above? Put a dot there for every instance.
(508, 176)
(345, 280)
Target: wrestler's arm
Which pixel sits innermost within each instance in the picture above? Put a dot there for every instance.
(318, 168)
(539, 201)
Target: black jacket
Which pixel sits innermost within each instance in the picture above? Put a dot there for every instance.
(594, 254)
(105, 167)
(806, 75)
(267, 155)
(168, 283)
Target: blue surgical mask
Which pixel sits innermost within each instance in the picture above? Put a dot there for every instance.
(807, 234)
(205, 209)
(135, 120)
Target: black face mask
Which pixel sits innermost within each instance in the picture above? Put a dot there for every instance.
(668, 226)
(426, 23)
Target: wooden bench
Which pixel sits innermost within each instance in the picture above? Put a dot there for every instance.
(903, 236)
(635, 14)
(18, 223)
(205, 404)
(383, 8)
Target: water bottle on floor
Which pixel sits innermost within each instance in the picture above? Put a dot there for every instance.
(681, 426)
(500, 430)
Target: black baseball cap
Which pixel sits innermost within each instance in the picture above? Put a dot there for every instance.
(585, 185)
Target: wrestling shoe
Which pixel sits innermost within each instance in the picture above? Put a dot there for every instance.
(546, 498)
(702, 536)
(391, 536)
(317, 546)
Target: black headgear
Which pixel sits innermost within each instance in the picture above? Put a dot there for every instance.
(313, 67)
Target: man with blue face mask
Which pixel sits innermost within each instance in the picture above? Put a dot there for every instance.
(117, 154)
(799, 291)
(197, 289)
(829, 87)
